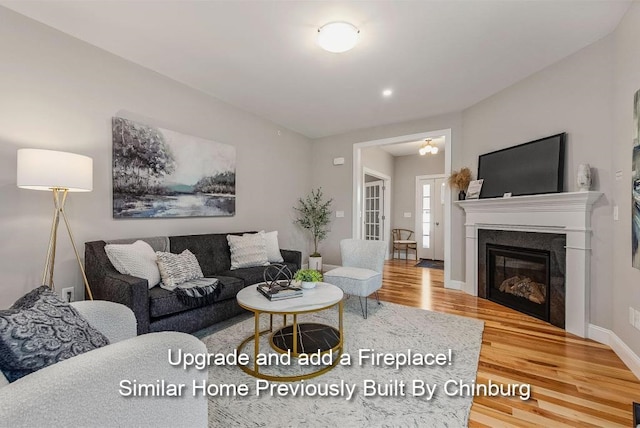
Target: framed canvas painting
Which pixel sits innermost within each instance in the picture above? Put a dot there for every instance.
(163, 173)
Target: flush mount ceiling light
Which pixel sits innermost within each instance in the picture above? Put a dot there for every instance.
(427, 147)
(337, 37)
(387, 93)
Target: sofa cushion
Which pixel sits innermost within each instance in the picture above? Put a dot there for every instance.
(136, 259)
(271, 244)
(164, 302)
(40, 330)
(248, 250)
(178, 268)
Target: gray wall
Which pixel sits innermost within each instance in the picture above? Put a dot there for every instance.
(60, 93)
(624, 280)
(572, 96)
(378, 160)
(406, 168)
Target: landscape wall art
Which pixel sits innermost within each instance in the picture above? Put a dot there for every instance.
(635, 183)
(162, 173)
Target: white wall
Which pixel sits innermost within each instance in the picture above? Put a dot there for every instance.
(624, 280)
(406, 168)
(59, 93)
(336, 181)
(572, 96)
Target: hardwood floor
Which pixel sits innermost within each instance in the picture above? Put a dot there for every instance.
(574, 381)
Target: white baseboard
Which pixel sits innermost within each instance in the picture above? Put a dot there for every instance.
(454, 285)
(608, 337)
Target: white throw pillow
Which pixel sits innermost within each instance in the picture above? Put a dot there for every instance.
(247, 251)
(178, 268)
(271, 243)
(137, 259)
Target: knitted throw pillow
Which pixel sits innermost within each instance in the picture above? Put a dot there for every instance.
(271, 244)
(137, 259)
(178, 268)
(247, 251)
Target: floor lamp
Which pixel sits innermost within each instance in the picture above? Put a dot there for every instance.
(60, 173)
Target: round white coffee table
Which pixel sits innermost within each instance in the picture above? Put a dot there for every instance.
(297, 338)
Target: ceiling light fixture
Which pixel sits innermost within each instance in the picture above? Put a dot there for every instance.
(337, 37)
(427, 147)
(387, 93)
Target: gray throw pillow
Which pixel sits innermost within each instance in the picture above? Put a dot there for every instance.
(39, 330)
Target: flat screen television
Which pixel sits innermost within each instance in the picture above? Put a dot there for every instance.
(527, 169)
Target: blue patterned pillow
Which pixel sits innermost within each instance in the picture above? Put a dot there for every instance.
(40, 330)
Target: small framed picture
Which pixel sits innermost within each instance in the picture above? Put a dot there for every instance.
(473, 191)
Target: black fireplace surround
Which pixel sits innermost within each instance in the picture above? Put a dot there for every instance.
(524, 271)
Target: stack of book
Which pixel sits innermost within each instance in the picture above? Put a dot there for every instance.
(279, 291)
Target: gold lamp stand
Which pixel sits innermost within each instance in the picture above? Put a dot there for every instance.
(59, 199)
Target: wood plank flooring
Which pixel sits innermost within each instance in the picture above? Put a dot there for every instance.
(574, 381)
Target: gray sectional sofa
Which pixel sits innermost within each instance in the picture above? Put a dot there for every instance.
(158, 309)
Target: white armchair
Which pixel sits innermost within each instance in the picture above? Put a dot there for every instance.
(361, 271)
(84, 390)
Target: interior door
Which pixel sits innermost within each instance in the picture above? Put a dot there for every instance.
(373, 209)
(429, 218)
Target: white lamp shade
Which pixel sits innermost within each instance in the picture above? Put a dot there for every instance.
(48, 169)
(337, 37)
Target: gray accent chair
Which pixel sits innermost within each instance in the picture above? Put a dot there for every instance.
(84, 390)
(361, 271)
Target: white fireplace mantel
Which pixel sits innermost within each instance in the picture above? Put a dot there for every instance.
(565, 213)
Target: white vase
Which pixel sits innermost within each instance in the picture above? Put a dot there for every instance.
(315, 263)
(583, 177)
(307, 285)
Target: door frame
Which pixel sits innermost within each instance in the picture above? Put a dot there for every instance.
(418, 209)
(358, 179)
(387, 204)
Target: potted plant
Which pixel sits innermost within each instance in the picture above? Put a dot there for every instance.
(460, 180)
(314, 215)
(308, 277)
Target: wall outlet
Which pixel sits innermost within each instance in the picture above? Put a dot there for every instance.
(68, 294)
(340, 214)
(632, 316)
(407, 215)
(637, 324)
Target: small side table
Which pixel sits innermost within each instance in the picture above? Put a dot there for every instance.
(299, 338)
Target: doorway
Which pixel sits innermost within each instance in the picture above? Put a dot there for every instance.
(358, 191)
(430, 220)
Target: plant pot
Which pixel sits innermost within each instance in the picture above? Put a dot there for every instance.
(315, 263)
(306, 285)
(462, 196)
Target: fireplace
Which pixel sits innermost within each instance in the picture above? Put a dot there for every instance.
(564, 216)
(519, 278)
(524, 271)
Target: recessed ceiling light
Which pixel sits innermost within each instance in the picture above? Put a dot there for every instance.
(337, 37)
(387, 93)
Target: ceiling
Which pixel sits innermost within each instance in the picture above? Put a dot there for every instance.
(261, 56)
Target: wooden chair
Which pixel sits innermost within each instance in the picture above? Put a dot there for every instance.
(402, 241)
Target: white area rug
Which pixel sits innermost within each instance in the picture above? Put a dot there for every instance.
(390, 328)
